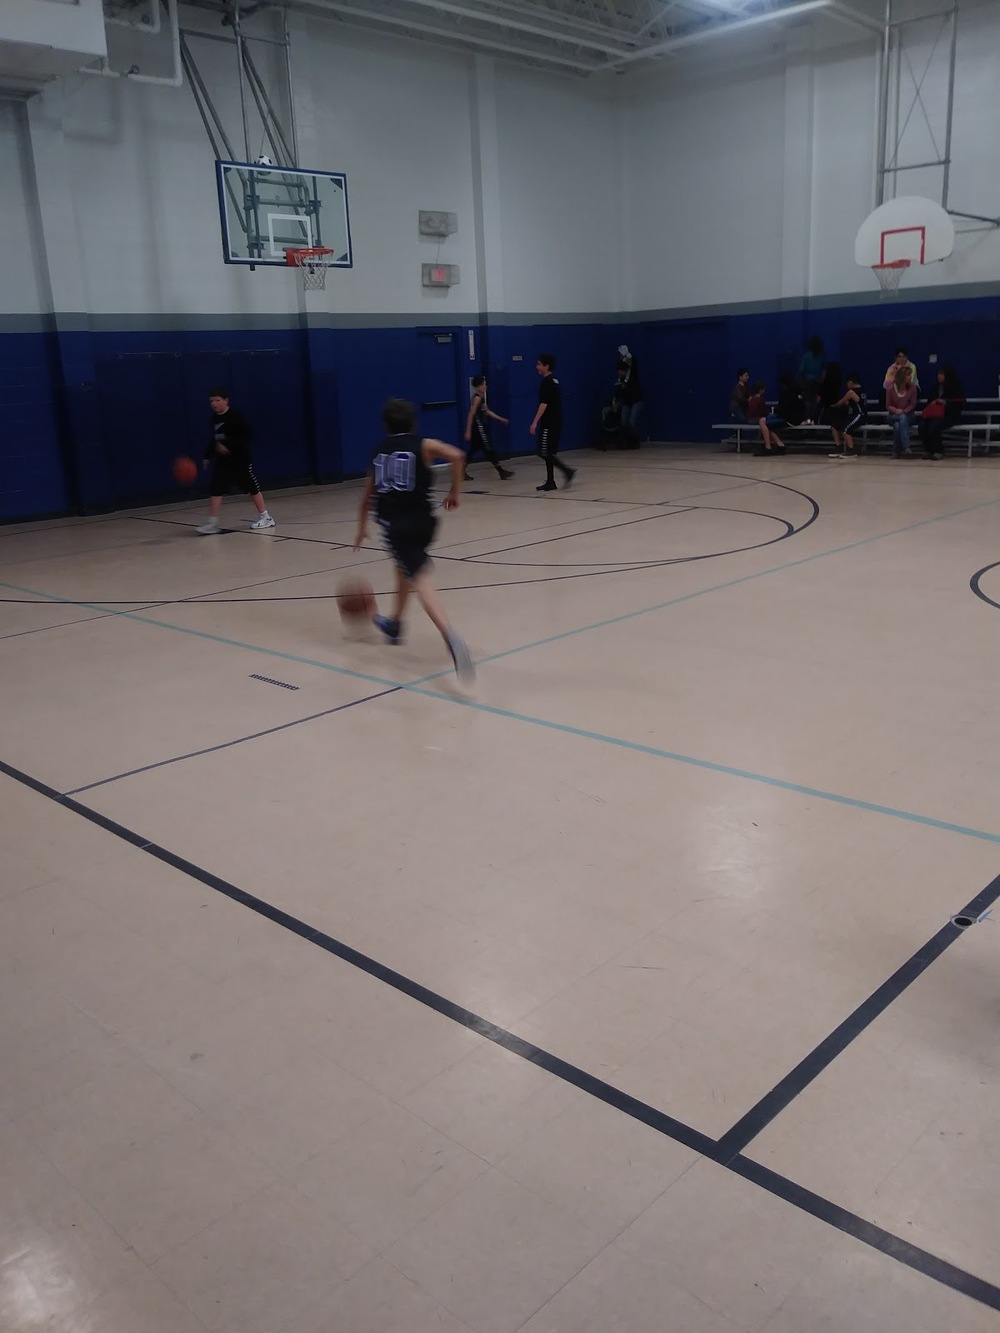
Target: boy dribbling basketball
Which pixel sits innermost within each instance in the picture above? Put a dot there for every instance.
(229, 455)
(400, 482)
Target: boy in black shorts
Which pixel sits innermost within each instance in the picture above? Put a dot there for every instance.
(229, 453)
(548, 423)
(477, 433)
(401, 482)
(846, 415)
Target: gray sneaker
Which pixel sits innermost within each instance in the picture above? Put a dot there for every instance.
(212, 526)
(462, 658)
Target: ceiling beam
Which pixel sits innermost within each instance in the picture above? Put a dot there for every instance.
(704, 34)
(518, 25)
(850, 15)
(371, 18)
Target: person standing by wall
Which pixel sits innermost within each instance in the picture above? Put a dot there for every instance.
(901, 359)
(810, 376)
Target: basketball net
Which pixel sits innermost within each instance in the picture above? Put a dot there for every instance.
(890, 276)
(313, 263)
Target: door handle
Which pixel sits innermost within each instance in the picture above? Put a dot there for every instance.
(448, 402)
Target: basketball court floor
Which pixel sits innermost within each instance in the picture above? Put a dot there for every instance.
(621, 992)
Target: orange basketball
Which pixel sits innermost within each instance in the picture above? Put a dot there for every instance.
(356, 599)
(185, 471)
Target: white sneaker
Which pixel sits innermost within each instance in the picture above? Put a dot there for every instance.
(212, 526)
(265, 521)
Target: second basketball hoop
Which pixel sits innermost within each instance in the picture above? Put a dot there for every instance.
(900, 235)
(890, 275)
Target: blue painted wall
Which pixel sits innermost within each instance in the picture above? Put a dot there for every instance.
(91, 420)
(689, 365)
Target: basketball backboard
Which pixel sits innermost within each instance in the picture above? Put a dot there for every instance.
(910, 228)
(267, 210)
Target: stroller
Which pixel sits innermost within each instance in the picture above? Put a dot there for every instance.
(611, 427)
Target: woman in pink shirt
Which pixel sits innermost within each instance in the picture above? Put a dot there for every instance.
(900, 401)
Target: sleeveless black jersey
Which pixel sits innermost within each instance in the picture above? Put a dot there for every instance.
(403, 481)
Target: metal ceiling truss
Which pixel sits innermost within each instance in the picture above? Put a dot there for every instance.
(579, 36)
(906, 72)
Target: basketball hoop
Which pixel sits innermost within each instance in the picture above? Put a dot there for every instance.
(890, 275)
(313, 263)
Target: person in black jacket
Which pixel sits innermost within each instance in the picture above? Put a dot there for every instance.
(230, 457)
(944, 410)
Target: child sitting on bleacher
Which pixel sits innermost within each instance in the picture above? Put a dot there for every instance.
(900, 401)
(739, 398)
(757, 411)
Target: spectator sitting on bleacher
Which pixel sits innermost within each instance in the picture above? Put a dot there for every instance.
(900, 401)
(902, 359)
(944, 409)
(739, 397)
(757, 411)
(790, 407)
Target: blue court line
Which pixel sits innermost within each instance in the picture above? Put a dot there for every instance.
(110, 613)
(619, 742)
(721, 587)
(638, 747)
(418, 686)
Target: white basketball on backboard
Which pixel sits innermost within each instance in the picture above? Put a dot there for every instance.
(906, 228)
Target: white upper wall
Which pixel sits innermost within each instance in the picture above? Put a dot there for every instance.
(723, 184)
(704, 191)
(737, 174)
(559, 193)
(22, 290)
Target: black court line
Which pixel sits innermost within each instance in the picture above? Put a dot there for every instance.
(246, 528)
(588, 532)
(240, 740)
(976, 584)
(626, 505)
(782, 1094)
(61, 624)
(219, 597)
(868, 1233)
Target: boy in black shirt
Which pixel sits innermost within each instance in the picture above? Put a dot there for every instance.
(229, 453)
(548, 423)
(400, 482)
(846, 415)
(477, 433)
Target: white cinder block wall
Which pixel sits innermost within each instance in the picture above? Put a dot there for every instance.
(739, 176)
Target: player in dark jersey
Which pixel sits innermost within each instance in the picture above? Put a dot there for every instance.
(547, 423)
(477, 433)
(229, 454)
(846, 415)
(398, 488)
